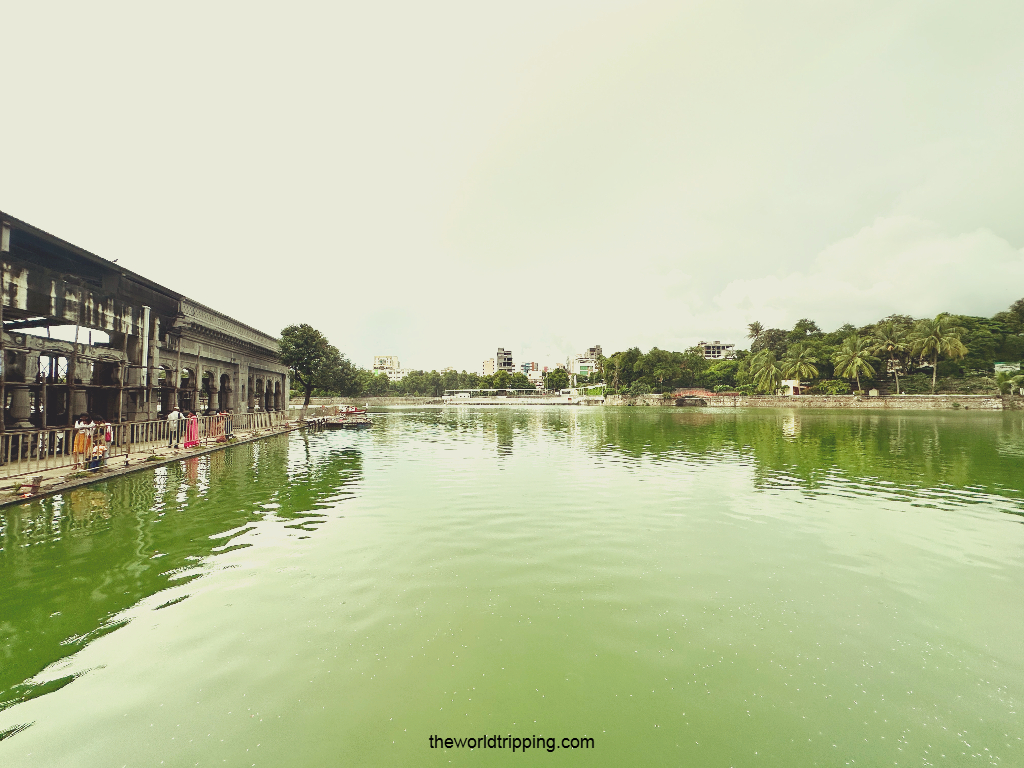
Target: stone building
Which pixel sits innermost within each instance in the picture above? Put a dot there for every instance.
(153, 348)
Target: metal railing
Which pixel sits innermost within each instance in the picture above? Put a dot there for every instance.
(32, 451)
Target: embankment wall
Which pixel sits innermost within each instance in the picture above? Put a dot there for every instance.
(372, 401)
(895, 402)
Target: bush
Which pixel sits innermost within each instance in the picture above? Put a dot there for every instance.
(950, 368)
(639, 388)
(832, 387)
(916, 384)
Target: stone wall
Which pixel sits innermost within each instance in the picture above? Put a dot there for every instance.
(642, 400)
(894, 402)
(372, 401)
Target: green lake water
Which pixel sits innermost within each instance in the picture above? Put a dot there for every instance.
(684, 587)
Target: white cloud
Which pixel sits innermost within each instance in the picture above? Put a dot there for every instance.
(898, 264)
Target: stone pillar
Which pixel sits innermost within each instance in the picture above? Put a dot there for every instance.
(211, 408)
(80, 403)
(21, 406)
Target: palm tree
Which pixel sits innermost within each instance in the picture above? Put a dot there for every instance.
(799, 363)
(765, 370)
(938, 337)
(853, 358)
(1007, 382)
(754, 330)
(891, 341)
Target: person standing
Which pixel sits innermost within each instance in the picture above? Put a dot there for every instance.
(174, 419)
(82, 447)
(192, 430)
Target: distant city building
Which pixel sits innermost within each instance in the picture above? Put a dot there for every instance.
(448, 369)
(716, 350)
(536, 378)
(527, 367)
(581, 366)
(388, 364)
(488, 369)
(385, 363)
(585, 363)
(503, 360)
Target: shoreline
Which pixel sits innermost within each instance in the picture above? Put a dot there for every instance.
(137, 466)
(846, 402)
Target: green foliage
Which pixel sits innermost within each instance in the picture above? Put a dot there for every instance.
(314, 362)
(917, 384)
(638, 388)
(891, 339)
(938, 337)
(766, 371)
(799, 362)
(520, 381)
(774, 339)
(1008, 382)
(803, 329)
(854, 358)
(556, 379)
(832, 387)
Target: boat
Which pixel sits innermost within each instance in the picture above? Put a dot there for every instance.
(349, 420)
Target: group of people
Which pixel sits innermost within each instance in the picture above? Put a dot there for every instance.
(219, 429)
(176, 421)
(91, 438)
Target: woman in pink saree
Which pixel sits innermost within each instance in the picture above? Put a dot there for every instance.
(192, 430)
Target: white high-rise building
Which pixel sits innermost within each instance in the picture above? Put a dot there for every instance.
(389, 365)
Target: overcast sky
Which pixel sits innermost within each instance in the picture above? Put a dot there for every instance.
(436, 180)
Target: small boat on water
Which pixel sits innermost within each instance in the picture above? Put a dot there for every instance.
(349, 417)
(355, 420)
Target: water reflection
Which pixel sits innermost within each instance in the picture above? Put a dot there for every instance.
(70, 564)
(898, 452)
(966, 452)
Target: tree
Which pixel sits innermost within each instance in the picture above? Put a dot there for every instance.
(502, 380)
(890, 341)
(765, 370)
(754, 330)
(556, 379)
(854, 358)
(1008, 382)
(775, 339)
(799, 363)
(313, 362)
(520, 381)
(938, 337)
(656, 365)
(803, 329)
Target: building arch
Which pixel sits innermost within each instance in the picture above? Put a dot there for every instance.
(224, 393)
(187, 390)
